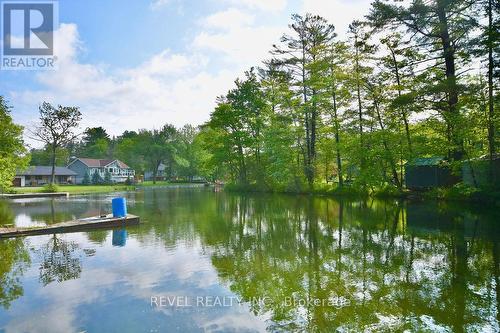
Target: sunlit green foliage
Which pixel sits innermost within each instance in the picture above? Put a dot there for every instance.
(12, 151)
(354, 112)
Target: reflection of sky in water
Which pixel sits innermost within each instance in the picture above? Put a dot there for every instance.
(113, 293)
(23, 220)
(400, 269)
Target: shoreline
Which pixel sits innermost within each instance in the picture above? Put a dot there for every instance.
(89, 189)
(454, 194)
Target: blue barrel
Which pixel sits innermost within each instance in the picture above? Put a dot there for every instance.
(119, 206)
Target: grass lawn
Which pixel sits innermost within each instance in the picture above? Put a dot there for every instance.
(78, 189)
(83, 189)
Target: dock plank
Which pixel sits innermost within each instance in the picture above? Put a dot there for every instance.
(34, 195)
(71, 226)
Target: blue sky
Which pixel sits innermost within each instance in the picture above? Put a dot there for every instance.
(143, 63)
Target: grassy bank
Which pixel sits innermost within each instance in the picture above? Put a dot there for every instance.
(76, 189)
(88, 189)
(458, 192)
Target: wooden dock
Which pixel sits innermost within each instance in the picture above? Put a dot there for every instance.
(34, 195)
(72, 226)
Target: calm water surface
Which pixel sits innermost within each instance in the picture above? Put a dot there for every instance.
(206, 261)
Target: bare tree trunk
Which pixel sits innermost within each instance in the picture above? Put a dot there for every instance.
(307, 159)
(155, 171)
(314, 120)
(242, 165)
(53, 161)
(451, 85)
(491, 111)
(358, 92)
(404, 115)
(337, 139)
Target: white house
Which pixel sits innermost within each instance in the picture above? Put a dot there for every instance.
(118, 170)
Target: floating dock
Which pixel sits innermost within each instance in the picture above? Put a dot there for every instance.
(72, 226)
(34, 195)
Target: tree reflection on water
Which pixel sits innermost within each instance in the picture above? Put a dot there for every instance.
(398, 270)
(14, 260)
(60, 261)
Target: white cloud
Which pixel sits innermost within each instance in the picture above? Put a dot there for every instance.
(228, 19)
(168, 63)
(158, 271)
(168, 88)
(265, 5)
(234, 34)
(246, 46)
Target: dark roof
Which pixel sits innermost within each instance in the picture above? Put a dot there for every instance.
(39, 170)
(100, 163)
(427, 161)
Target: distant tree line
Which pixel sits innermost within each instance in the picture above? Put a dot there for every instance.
(178, 149)
(144, 150)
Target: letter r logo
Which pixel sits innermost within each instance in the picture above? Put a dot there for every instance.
(28, 28)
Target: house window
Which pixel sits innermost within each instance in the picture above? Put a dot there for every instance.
(111, 170)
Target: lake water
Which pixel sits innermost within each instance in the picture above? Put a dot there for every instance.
(210, 261)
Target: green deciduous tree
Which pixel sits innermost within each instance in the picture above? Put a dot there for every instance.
(237, 124)
(56, 128)
(160, 146)
(13, 154)
(43, 156)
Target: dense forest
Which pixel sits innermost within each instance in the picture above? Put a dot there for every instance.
(416, 79)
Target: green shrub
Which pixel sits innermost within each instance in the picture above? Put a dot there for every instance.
(388, 191)
(97, 179)
(50, 188)
(8, 190)
(459, 192)
(86, 179)
(107, 178)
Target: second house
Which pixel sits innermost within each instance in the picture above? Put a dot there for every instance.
(118, 170)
